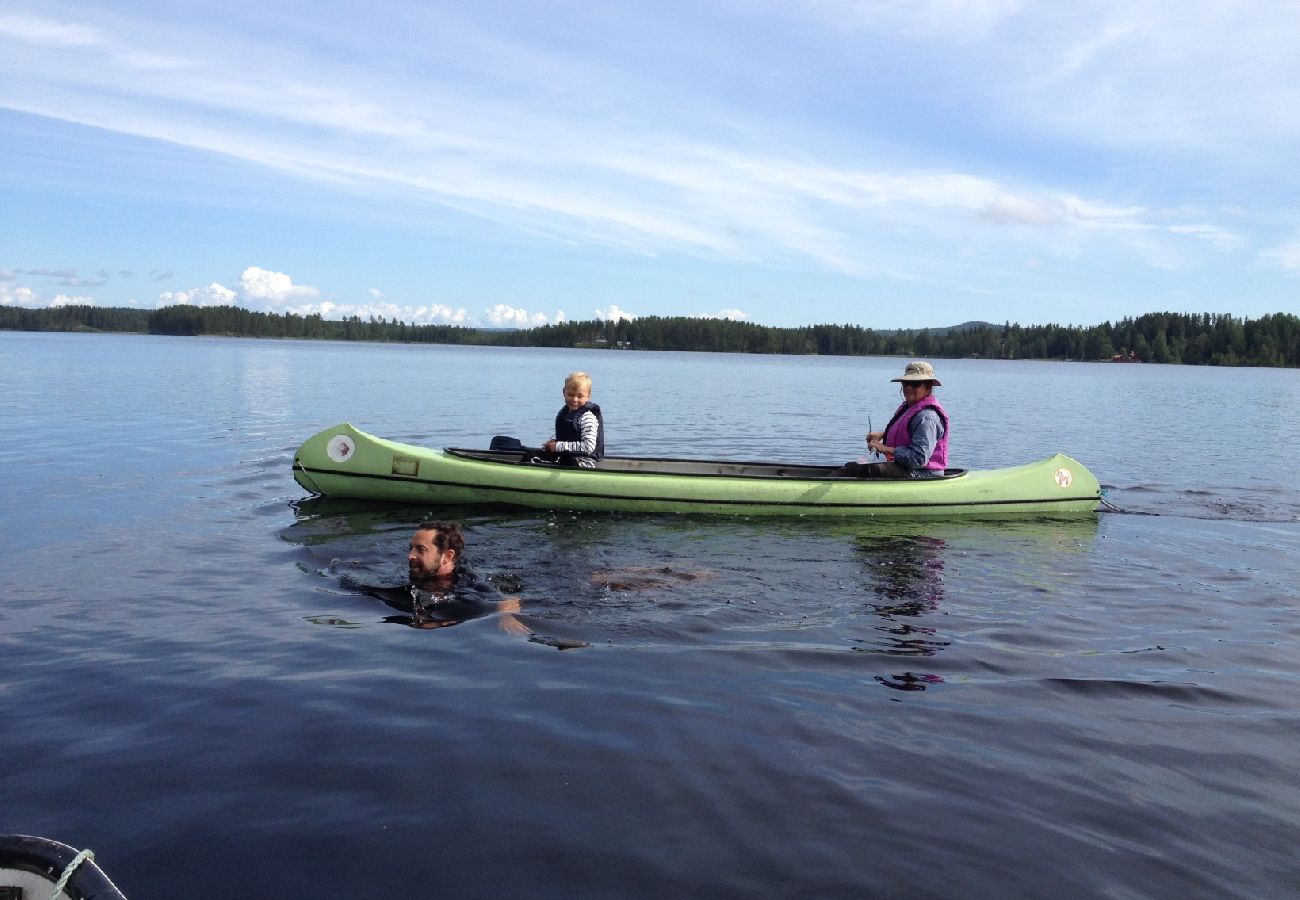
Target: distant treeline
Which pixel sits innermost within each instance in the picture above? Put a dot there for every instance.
(1196, 339)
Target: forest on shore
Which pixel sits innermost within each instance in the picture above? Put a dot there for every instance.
(1216, 339)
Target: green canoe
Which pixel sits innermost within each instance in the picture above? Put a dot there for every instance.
(345, 462)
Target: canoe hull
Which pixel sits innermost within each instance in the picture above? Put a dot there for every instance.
(346, 462)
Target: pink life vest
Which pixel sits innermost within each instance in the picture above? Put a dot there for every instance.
(897, 433)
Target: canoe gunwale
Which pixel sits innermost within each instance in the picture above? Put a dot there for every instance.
(689, 468)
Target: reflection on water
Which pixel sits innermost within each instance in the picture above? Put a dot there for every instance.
(722, 581)
(906, 574)
(265, 382)
(879, 589)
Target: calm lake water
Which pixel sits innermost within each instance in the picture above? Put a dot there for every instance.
(1101, 707)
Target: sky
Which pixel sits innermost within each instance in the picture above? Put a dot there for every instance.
(883, 163)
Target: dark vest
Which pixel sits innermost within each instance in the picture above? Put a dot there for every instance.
(566, 429)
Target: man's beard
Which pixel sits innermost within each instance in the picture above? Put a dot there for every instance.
(421, 576)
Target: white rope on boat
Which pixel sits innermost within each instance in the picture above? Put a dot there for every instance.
(67, 872)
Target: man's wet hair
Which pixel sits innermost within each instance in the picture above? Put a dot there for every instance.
(448, 536)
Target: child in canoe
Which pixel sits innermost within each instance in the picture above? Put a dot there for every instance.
(579, 428)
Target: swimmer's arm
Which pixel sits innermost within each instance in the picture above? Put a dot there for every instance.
(509, 623)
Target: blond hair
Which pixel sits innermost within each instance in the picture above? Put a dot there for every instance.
(579, 379)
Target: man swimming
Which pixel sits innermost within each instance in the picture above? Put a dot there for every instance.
(442, 590)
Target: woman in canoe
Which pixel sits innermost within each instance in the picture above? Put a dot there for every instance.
(915, 442)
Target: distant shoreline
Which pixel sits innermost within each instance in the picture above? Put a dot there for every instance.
(1216, 339)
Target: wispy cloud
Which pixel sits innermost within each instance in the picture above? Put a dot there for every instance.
(933, 145)
(614, 181)
(1284, 256)
(40, 31)
(67, 277)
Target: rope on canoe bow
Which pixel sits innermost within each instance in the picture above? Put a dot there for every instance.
(67, 872)
(1111, 507)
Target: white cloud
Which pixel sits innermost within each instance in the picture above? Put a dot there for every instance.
(214, 294)
(1011, 210)
(273, 288)
(66, 300)
(1221, 239)
(504, 316)
(735, 315)
(613, 314)
(428, 314)
(438, 314)
(267, 291)
(19, 295)
(1284, 256)
(45, 32)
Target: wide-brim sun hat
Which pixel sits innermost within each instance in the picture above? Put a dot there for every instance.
(919, 371)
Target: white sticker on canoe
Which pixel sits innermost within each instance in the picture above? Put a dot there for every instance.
(340, 448)
(1063, 477)
(406, 465)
